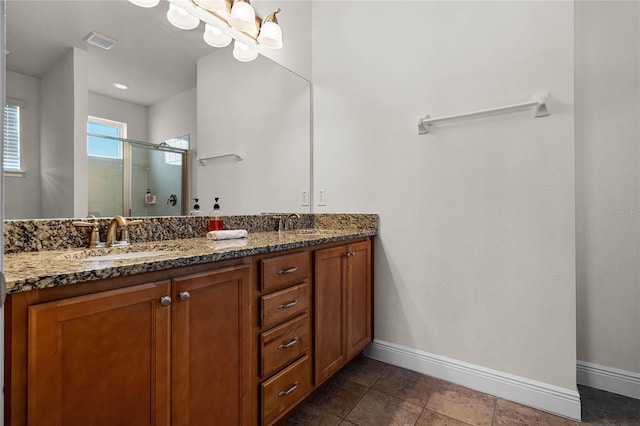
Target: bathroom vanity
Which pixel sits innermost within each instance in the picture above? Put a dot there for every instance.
(190, 332)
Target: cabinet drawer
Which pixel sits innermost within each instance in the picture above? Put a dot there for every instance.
(284, 304)
(285, 390)
(283, 344)
(283, 270)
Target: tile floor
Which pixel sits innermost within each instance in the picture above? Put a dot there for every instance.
(371, 393)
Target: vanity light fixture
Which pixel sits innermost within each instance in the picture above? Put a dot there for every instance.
(181, 18)
(225, 20)
(243, 53)
(213, 5)
(270, 32)
(243, 17)
(145, 3)
(215, 37)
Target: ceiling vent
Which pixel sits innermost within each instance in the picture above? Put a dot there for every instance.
(99, 40)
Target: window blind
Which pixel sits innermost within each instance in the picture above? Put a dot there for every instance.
(11, 138)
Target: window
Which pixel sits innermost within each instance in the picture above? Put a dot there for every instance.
(11, 158)
(175, 158)
(105, 147)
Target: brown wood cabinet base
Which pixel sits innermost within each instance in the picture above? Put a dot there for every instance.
(254, 336)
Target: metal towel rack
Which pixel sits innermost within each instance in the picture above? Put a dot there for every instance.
(539, 102)
(239, 155)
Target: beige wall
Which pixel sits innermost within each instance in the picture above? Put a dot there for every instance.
(476, 255)
(607, 100)
(63, 113)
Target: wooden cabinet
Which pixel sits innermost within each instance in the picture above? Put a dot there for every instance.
(284, 334)
(173, 352)
(100, 359)
(343, 300)
(237, 342)
(211, 348)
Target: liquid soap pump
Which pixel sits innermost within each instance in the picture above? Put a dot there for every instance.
(216, 223)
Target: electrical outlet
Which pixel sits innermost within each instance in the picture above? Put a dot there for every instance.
(322, 197)
(304, 200)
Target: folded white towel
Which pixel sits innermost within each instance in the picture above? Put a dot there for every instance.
(230, 234)
(226, 244)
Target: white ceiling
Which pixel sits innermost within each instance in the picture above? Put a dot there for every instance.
(154, 58)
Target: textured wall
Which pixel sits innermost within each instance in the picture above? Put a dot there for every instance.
(476, 254)
(608, 183)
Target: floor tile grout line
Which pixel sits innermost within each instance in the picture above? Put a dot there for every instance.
(356, 404)
(493, 414)
(448, 417)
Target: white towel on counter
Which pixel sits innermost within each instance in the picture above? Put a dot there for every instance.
(230, 234)
(226, 244)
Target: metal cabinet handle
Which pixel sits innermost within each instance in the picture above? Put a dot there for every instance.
(350, 254)
(165, 300)
(287, 271)
(288, 305)
(184, 296)
(288, 391)
(288, 345)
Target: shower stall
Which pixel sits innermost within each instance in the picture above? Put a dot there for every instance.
(134, 178)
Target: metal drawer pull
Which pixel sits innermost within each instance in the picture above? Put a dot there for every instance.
(165, 300)
(288, 391)
(184, 295)
(288, 305)
(287, 271)
(288, 345)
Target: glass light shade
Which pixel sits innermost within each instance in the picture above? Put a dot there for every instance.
(214, 37)
(242, 17)
(215, 5)
(145, 3)
(243, 53)
(181, 18)
(270, 35)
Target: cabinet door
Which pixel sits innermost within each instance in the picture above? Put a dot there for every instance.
(100, 359)
(330, 311)
(358, 298)
(211, 348)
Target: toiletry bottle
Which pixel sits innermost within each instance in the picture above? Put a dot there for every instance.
(216, 223)
(196, 209)
(149, 198)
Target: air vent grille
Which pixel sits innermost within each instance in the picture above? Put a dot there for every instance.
(99, 40)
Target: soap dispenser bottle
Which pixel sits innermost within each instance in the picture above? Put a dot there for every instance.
(149, 198)
(216, 223)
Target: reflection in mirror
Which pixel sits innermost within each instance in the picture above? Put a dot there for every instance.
(133, 178)
(177, 85)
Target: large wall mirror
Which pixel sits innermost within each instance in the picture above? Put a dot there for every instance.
(249, 124)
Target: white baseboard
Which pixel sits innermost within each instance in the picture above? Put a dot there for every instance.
(609, 379)
(543, 396)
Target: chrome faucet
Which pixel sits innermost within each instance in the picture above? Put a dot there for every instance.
(119, 223)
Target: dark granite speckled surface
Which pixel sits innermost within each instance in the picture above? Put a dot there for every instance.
(35, 262)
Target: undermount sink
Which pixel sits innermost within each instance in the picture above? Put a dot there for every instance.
(124, 256)
(311, 232)
(124, 252)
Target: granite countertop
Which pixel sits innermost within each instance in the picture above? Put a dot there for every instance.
(43, 269)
